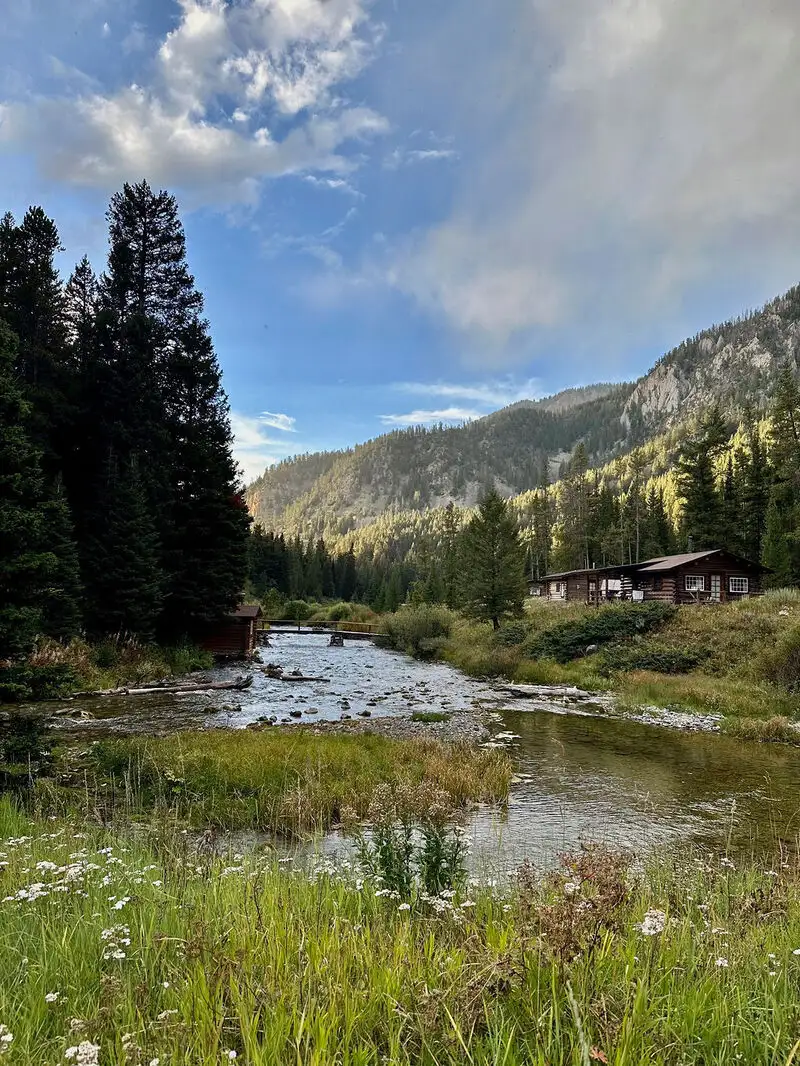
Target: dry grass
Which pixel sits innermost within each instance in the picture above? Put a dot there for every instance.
(288, 782)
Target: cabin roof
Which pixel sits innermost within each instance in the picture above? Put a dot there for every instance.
(247, 610)
(660, 565)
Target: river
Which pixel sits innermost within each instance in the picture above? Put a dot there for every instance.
(582, 777)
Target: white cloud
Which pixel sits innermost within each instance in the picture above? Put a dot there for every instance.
(405, 157)
(254, 450)
(278, 421)
(223, 62)
(427, 418)
(620, 151)
(106, 30)
(490, 393)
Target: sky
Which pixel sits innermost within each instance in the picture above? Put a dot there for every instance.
(409, 211)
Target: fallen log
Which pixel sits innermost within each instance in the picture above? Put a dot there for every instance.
(239, 685)
(298, 677)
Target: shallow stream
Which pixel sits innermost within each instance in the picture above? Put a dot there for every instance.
(582, 776)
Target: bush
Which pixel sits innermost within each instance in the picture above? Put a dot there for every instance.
(21, 683)
(512, 635)
(653, 656)
(297, 611)
(569, 640)
(780, 663)
(418, 631)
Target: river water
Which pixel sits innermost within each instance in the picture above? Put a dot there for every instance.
(581, 777)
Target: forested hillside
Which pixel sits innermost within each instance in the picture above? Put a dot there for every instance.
(377, 495)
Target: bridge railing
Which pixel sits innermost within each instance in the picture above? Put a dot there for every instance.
(337, 627)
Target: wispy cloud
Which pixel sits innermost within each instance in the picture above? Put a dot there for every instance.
(498, 393)
(278, 421)
(428, 418)
(402, 157)
(254, 449)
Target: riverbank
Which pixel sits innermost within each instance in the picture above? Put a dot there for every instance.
(140, 951)
(736, 664)
(55, 670)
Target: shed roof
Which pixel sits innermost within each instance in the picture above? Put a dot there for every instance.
(247, 610)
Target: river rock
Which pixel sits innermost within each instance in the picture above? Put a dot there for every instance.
(365, 714)
(296, 714)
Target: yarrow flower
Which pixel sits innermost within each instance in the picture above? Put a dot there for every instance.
(85, 1054)
(721, 964)
(653, 923)
(6, 1037)
(51, 997)
(404, 907)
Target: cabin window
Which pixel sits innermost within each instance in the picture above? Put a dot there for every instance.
(695, 583)
(739, 584)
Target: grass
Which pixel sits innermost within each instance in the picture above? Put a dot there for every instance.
(289, 782)
(430, 717)
(148, 951)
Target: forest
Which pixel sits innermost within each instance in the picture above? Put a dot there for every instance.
(121, 508)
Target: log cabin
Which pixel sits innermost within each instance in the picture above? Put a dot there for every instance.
(712, 576)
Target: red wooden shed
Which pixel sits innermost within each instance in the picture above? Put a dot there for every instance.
(235, 636)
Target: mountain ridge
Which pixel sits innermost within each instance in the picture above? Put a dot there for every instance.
(514, 449)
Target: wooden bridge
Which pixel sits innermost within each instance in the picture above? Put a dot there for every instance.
(350, 630)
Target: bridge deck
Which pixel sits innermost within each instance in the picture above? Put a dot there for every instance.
(350, 630)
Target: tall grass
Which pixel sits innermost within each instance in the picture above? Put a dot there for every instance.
(286, 782)
(158, 953)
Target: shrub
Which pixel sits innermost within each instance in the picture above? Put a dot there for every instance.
(653, 656)
(569, 640)
(297, 611)
(780, 663)
(512, 635)
(21, 683)
(418, 631)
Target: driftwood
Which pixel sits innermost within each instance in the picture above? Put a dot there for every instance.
(238, 685)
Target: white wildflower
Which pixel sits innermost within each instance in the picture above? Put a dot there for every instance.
(571, 888)
(6, 1037)
(721, 964)
(796, 951)
(653, 923)
(726, 862)
(404, 907)
(52, 997)
(155, 1062)
(165, 984)
(230, 1055)
(85, 1054)
(165, 1014)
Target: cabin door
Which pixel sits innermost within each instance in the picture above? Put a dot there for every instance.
(716, 588)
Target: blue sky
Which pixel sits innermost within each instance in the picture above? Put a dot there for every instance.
(402, 211)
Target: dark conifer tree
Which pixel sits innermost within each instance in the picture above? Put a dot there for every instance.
(493, 563)
(61, 610)
(346, 575)
(27, 568)
(697, 483)
(125, 587)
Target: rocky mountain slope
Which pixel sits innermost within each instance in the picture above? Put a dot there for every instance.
(413, 470)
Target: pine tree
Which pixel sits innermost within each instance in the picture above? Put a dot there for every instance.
(755, 491)
(346, 575)
(697, 484)
(493, 563)
(777, 555)
(125, 585)
(61, 610)
(27, 568)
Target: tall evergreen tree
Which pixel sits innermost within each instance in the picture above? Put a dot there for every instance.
(125, 587)
(493, 563)
(697, 482)
(27, 568)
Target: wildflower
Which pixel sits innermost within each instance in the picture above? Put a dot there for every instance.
(653, 923)
(404, 907)
(796, 951)
(230, 1054)
(726, 862)
(155, 1062)
(721, 964)
(165, 984)
(6, 1037)
(165, 1014)
(466, 904)
(85, 1054)
(52, 997)
(571, 888)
